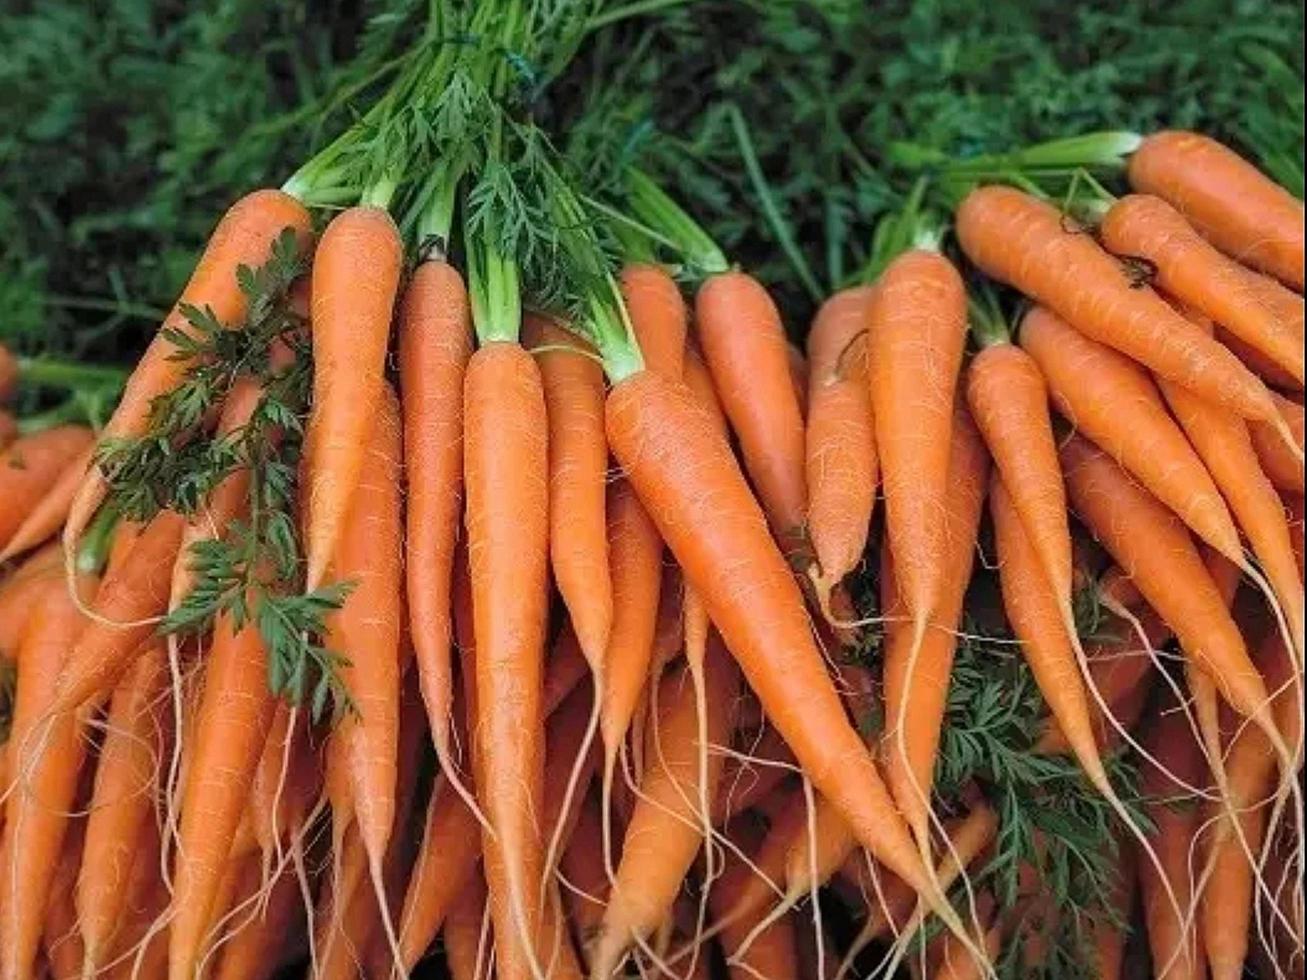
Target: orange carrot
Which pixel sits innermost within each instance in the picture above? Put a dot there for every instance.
(63, 944)
(1028, 244)
(578, 463)
(506, 467)
(464, 947)
(683, 470)
(1235, 206)
(1293, 505)
(565, 669)
(355, 274)
(1284, 469)
(744, 346)
(244, 236)
(44, 520)
(46, 758)
(28, 469)
(435, 342)
(17, 592)
(917, 333)
(658, 316)
(916, 690)
(1257, 362)
(840, 445)
(256, 951)
(1191, 270)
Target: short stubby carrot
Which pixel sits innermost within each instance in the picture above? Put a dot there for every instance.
(1029, 244)
(1281, 465)
(507, 472)
(126, 609)
(682, 468)
(356, 271)
(1151, 544)
(743, 341)
(30, 466)
(1114, 402)
(918, 330)
(1191, 270)
(840, 446)
(243, 237)
(1236, 207)
(658, 316)
(578, 469)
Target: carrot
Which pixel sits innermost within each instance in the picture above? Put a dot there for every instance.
(658, 316)
(126, 534)
(356, 271)
(1091, 385)
(956, 963)
(1257, 362)
(1026, 243)
(1109, 931)
(840, 446)
(146, 901)
(17, 592)
(286, 782)
(435, 342)
(1177, 952)
(916, 683)
(917, 333)
(566, 778)
(46, 758)
(29, 467)
(565, 669)
(122, 801)
(255, 952)
(744, 783)
(44, 520)
(464, 939)
(231, 727)
(1191, 270)
(63, 944)
(243, 237)
(799, 378)
(1293, 505)
(1235, 206)
(1150, 543)
(682, 468)
(744, 346)
(506, 467)
(664, 833)
(772, 952)
(124, 611)
(1278, 460)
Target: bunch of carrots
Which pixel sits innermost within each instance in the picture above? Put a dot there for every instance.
(439, 591)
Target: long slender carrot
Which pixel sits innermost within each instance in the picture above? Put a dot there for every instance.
(506, 467)
(578, 463)
(1028, 244)
(356, 271)
(1191, 270)
(17, 591)
(1150, 543)
(916, 687)
(743, 341)
(841, 465)
(682, 468)
(435, 342)
(664, 833)
(1112, 400)
(29, 467)
(47, 756)
(1284, 469)
(917, 332)
(243, 237)
(44, 520)
(61, 941)
(1240, 210)
(658, 316)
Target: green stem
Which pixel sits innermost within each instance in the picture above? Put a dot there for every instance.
(436, 219)
(771, 211)
(380, 193)
(637, 9)
(93, 551)
(495, 292)
(653, 207)
(70, 410)
(55, 373)
(986, 319)
(96, 305)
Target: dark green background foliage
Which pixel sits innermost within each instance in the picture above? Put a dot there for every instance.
(130, 124)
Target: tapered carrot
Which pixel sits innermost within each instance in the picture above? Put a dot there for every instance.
(565, 669)
(916, 682)
(578, 463)
(1150, 543)
(682, 468)
(125, 612)
(355, 274)
(47, 753)
(1294, 508)
(1278, 460)
(257, 950)
(62, 943)
(506, 469)
(145, 902)
(435, 342)
(29, 467)
(286, 782)
(123, 799)
(126, 534)
(917, 333)
(840, 445)
(658, 316)
(1028, 244)
(772, 953)
(1092, 385)
(664, 833)
(17, 592)
(44, 520)
(1191, 270)
(743, 341)
(244, 236)
(1240, 210)
(1257, 362)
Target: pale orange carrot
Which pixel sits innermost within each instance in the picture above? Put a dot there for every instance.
(658, 316)
(1278, 460)
(44, 520)
(29, 467)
